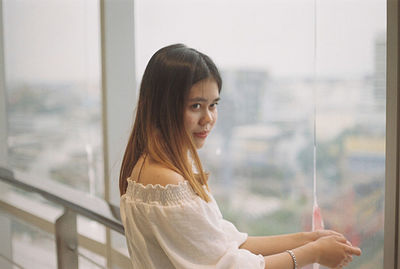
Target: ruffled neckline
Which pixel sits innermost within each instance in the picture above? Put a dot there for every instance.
(170, 194)
(157, 186)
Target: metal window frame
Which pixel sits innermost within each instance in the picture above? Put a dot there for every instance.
(392, 185)
(5, 224)
(118, 86)
(118, 92)
(62, 222)
(3, 97)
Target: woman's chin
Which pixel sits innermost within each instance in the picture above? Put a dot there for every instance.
(199, 144)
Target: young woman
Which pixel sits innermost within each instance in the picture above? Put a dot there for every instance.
(170, 217)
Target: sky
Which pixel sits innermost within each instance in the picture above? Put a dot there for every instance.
(276, 35)
(51, 40)
(59, 40)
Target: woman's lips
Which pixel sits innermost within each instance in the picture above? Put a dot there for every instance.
(201, 134)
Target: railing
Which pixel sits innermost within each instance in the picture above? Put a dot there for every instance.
(74, 203)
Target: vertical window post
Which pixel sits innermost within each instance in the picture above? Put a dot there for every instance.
(118, 92)
(118, 86)
(3, 99)
(5, 223)
(392, 192)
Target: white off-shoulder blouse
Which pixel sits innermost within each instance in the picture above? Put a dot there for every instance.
(172, 227)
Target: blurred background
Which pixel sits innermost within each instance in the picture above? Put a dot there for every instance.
(279, 60)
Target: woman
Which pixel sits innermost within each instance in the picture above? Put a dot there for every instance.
(170, 217)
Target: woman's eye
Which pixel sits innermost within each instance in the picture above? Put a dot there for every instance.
(196, 106)
(214, 105)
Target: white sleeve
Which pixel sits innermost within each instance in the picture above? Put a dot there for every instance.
(233, 234)
(193, 235)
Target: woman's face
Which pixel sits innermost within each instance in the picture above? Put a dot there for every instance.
(200, 112)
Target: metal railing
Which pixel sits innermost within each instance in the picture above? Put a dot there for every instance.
(75, 203)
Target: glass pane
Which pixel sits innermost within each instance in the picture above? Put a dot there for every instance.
(89, 259)
(351, 89)
(91, 229)
(265, 113)
(118, 243)
(275, 69)
(31, 247)
(53, 88)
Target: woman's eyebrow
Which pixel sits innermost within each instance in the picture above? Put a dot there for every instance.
(202, 99)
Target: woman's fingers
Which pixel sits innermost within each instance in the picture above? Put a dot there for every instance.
(350, 250)
(353, 250)
(338, 236)
(345, 262)
(341, 239)
(348, 260)
(336, 251)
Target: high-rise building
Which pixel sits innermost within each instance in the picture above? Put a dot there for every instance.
(379, 90)
(245, 90)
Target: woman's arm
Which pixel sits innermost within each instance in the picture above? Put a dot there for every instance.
(304, 255)
(270, 245)
(331, 251)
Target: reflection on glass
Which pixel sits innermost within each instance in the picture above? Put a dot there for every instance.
(261, 153)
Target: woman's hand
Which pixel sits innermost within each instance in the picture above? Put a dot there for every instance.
(328, 248)
(334, 251)
(315, 235)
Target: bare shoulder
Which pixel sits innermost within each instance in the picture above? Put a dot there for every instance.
(154, 174)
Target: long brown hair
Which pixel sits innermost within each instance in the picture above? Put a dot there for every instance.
(158, 128)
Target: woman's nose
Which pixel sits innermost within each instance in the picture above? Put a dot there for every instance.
(206, 118)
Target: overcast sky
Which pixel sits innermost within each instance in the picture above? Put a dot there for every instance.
(275, 35)
(51, 40)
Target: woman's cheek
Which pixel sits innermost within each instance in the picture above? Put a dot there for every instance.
(215, 116)
(191, 119)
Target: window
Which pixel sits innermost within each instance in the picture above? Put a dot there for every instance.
(52, 60)
(261, 153)
(279, 60)
(54, 130)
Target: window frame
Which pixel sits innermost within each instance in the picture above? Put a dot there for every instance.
(118, 86)
(392, 187)
(3, 98)
(118, 90)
